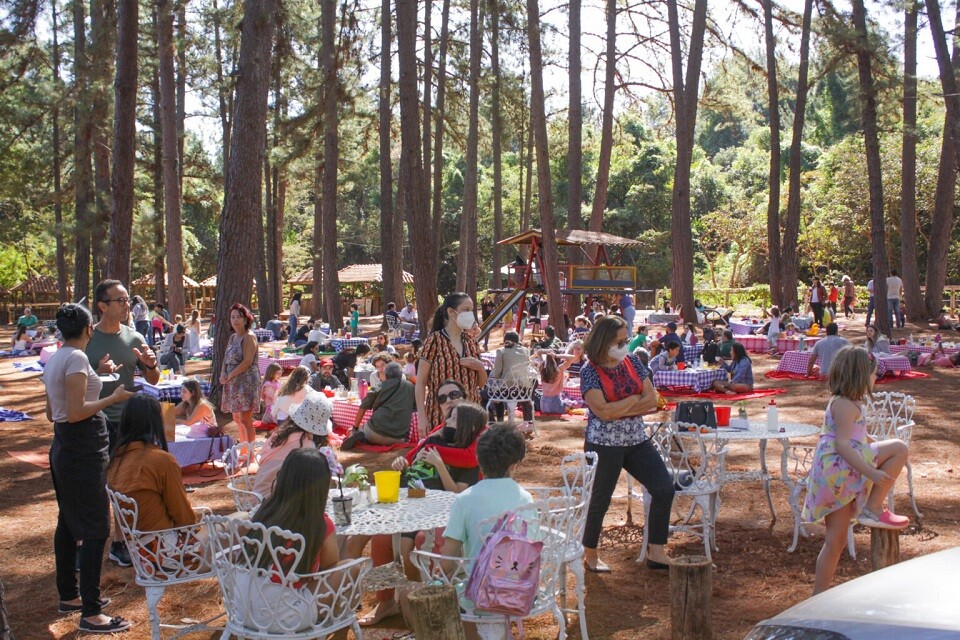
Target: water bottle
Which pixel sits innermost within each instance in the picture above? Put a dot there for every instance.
(773, 419)
(363, 386)
(802, 344)
(910, 339)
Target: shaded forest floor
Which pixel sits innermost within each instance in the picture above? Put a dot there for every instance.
(755, 577)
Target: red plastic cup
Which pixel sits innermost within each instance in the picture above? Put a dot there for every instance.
(723, 416)
(681, 366)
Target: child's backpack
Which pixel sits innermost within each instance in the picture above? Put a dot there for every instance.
(711, 351)
(506, 575)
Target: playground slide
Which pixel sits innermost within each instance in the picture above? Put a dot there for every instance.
(500, 312)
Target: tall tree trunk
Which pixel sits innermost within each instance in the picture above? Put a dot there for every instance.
(319, 300)
(526, 211)
(391, 257)
(606, 127)
(82, 170)
(171, 172)
(467, 256)
(422, 247)
(124, 142)
(685, 94)
(497, 132)
(242, 202)
(949, 156)
(181, 85)
(102, 29)
(427, 88)
(62, 282)
(908, 186)
(159, 246)
(538, 121)
(280, 205)
(871, 141)
(773, 199)
(274, 233)
(791, 227)
(575, 127)
(223, 91)
(331, 140)
(264, 308)
(439, 126)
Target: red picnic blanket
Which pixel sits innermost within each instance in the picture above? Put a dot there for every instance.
(906, 375)
(716, 395)
(339, 434)
(789, 375)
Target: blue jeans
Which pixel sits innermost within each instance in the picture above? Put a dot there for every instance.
(896, 320)
(870, 305)
(293, 328)
(629, 313)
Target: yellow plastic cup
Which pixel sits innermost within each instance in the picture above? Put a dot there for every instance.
(388, 485)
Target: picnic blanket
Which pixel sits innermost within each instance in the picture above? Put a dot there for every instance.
(39, 458)
(716, 395)
(204, 472)
(9, 415)
(339, 434)
(906, 375)
(36, 365)
(790, 375)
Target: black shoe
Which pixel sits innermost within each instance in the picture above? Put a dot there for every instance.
(115, 625)
(120, 555)
(66, 607)
(352, 440)
(653, 564)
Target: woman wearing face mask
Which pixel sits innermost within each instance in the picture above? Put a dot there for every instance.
(449, 354)
(617, 389)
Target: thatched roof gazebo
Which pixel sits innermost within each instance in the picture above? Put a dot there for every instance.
(41, 293)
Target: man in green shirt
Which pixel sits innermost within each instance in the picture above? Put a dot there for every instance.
(727, 345)
(27, 320)
(117, 348)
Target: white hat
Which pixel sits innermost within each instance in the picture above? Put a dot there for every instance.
(313, 414)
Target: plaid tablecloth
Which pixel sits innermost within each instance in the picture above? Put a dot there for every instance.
(699, 379)
(190, 451)
(489, 358)
(169, 390)
(264, 335)
(285, 361)
(758, 344)
(692, 352)
(345, 412)
(797, 362)
(339, 344)
(899, 349)
(741, 328)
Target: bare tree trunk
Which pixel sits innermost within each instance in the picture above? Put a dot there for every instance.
(280, 205)
(82, 170)
(124, 141)
(538, 120)
(497, 132)
(606, 127)
(181, 44)
(62, 283)
(159, 244)
(908, 185)
(773, 199)
(526, 211)
(685, 92)
(575, 127)
(260, 272)
(944, 197)
(102, 30)
(242, 203)
(331, 156)
(274, 235)
(392, 264)
(437, 201)
(467, 256)
(871, 140)
(422, 246)
(319, 302)
(791, 228)
(171, 171)
(427, 88)
(223, 91)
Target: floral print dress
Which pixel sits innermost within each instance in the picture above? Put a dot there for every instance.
(243, 392)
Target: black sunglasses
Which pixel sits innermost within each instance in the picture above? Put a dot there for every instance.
(453, 395)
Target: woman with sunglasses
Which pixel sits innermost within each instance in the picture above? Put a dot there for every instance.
(617, 389)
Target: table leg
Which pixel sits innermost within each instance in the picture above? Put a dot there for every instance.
(397, 556)
(766, 479)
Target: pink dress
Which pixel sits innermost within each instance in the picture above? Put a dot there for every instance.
(268, 393)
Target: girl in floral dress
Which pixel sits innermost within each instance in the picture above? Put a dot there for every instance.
(851, 472)
(240, 375)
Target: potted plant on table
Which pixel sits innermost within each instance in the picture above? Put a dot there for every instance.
(357, 476)
(742, 410)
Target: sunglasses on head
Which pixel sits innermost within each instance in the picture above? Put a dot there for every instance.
(453, 395)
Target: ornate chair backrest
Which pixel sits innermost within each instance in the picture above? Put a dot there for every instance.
(688, 453)
(799, 463)
(510, 389)
(262, 589)
(246, 500)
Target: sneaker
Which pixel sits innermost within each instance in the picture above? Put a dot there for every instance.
(119, 554)
(351, 441)
(886, 520)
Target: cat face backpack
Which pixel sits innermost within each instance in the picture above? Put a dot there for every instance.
(506, 574)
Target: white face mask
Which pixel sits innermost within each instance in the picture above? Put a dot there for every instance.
(618, 353)
(465, 320)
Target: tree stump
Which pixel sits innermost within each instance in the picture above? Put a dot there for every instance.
(884, 547)
(436, 614)
(691, 585)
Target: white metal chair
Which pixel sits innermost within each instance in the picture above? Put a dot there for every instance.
(800, 458)
(163, 558)
(890, 415)
(700, 459)
(578, 471)
(236, 462)
(263, 594)
(554, 517)
(513, 391)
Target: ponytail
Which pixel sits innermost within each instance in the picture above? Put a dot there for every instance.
(451, 301)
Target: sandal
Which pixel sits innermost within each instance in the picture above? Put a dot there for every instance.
(66, 607)
(377, 616)
(115, 625)
(601, 567)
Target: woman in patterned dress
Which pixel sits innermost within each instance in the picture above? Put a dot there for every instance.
(617, 389)
(239, 374)
(851, 473)
(449, 354)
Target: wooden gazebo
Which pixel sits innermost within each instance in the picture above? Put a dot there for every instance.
(147, 287)
(37, 291)
(355, 274)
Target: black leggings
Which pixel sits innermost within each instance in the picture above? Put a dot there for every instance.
(91, 561)
(643, 462)
(817, 312)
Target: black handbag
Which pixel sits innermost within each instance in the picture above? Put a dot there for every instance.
(698, 412)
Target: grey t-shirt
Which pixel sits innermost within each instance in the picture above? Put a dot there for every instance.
(826, 349)
(67, 361)
(120, 347)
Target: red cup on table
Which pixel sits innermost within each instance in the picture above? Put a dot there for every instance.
(681, 366)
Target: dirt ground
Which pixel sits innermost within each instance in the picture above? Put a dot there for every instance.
(755, 577)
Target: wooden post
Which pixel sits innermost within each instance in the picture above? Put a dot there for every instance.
(884, 547)
(436, 614)
(691, 584)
